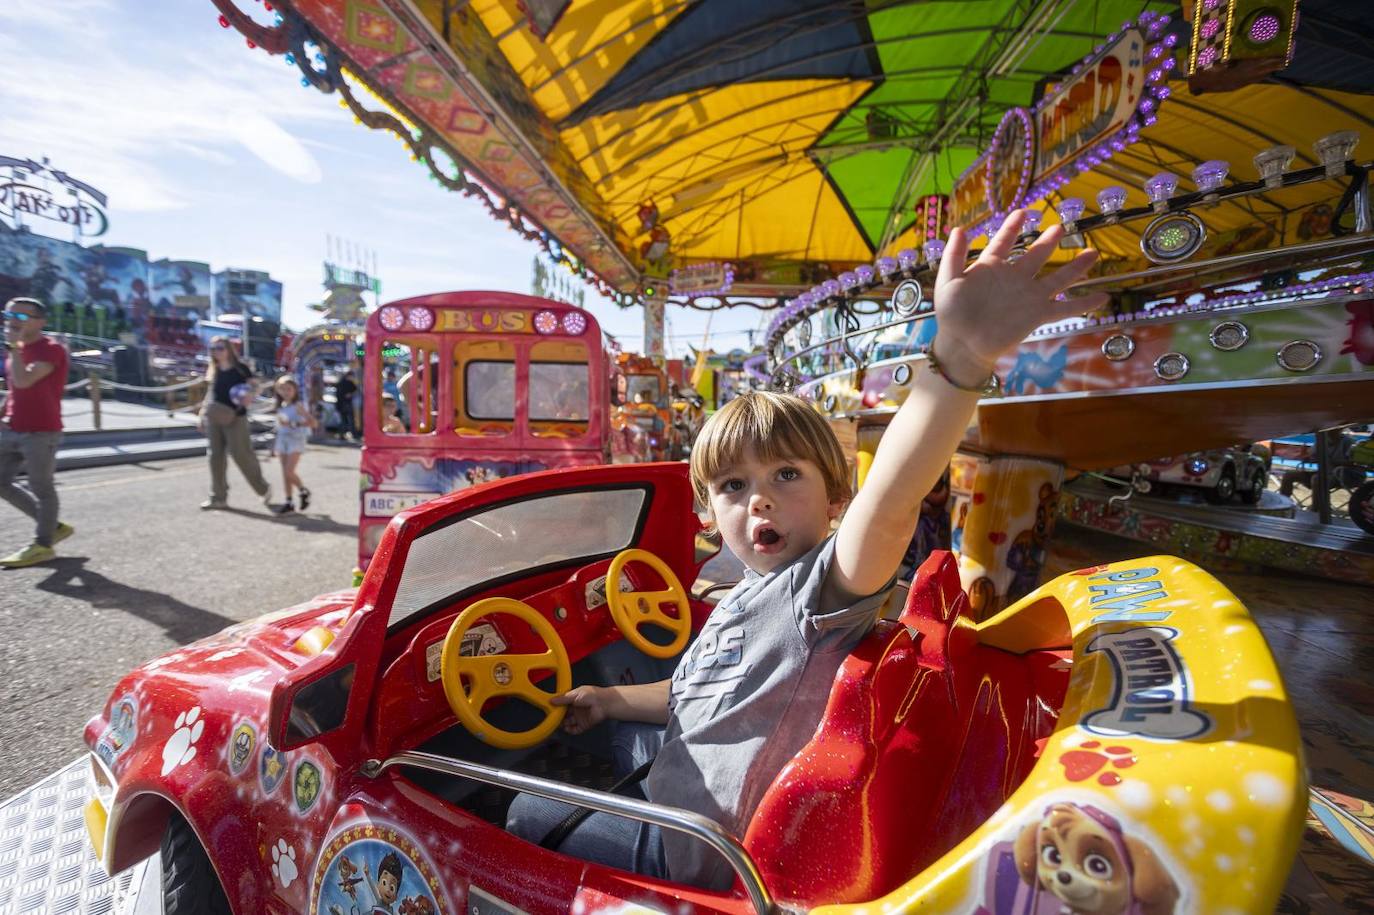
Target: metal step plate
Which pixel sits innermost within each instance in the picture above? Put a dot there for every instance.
(47, 865)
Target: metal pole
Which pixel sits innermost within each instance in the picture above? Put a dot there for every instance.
(94, 379)
(1321, 491)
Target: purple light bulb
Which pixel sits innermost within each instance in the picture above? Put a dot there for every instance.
(934, 250)
(1070, 209)
(907, 258)
(1111, 199)
(849, 280)
(887, 266)
(865, 273)
(1031, 222)
(1211, 175)
(1159, 188)
(830, 288)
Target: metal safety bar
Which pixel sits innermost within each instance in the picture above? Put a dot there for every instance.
(674, 818)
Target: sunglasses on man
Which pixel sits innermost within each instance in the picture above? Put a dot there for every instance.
(16, 316)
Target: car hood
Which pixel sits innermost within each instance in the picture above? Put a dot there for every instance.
(230, 674)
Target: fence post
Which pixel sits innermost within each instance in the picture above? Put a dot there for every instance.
(94, 378)
(171, 403)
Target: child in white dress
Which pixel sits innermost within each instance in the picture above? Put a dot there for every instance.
(294, 423)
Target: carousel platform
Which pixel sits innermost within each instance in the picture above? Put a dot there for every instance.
(1273, 535)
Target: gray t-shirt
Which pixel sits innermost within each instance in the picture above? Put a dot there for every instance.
(746, 698)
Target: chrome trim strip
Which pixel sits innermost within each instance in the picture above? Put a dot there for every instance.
(676, 819)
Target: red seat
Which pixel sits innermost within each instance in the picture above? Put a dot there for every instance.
(926, 733)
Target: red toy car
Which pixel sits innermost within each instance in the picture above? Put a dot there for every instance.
(356, 753)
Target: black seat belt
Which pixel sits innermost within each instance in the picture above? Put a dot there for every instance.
(556, 836)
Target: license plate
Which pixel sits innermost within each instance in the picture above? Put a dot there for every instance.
(386, 504)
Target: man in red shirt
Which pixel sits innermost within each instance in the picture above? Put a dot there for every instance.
(31, 427)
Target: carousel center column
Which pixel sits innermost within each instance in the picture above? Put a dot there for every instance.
(1002, 517)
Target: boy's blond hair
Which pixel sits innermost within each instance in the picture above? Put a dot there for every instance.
(775, 427)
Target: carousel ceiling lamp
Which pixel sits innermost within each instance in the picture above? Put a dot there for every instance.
(887, 268)
(421, 319)
(1110, 201)
(1070, 210)
(1172, 237)
(1159, 188)
(934, 250)
(1209, 177)
(1272, 163)
(1336, 149)
(906, 298)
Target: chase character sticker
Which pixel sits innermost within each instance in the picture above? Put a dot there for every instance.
(241, 745)
(305, 786)
(370, 869)
(1077, 859)
(271, 768)
(120, 732)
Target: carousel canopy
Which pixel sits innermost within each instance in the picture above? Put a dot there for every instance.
(794, 139)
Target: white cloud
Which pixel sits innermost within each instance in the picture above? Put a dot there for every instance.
(119, 118)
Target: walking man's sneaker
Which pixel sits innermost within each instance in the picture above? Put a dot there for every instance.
(30, 555)
(62, 532)
(213, 505)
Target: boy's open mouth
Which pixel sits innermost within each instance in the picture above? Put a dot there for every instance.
(765, 537)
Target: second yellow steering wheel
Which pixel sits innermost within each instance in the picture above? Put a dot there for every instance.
(632, 609)
(494, 675)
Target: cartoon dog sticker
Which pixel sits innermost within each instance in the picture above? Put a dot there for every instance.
(1079, 854)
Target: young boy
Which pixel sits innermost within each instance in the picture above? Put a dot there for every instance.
(750, 691)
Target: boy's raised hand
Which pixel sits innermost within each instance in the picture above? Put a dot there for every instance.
(986, 307)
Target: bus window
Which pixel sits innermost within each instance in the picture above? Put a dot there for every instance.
(409, 388)
(559, 402)
(485, 377)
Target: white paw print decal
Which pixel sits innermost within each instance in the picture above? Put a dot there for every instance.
(284, 863)
(181, 748)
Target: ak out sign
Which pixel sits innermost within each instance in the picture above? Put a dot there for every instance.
(36, 190)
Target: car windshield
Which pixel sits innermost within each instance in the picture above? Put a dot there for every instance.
(456, 555)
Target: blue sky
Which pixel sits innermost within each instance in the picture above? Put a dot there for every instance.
(211, 151)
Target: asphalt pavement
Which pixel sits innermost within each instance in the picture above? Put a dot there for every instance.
(148, 571)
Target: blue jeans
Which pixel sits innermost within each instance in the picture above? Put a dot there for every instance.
(602, 837)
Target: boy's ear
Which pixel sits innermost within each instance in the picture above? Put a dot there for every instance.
(835, 509)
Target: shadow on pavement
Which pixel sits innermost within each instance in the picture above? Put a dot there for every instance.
(300, 520)
(182, 622)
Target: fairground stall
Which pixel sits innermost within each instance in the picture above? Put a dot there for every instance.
(317, 357)
(1121, 739)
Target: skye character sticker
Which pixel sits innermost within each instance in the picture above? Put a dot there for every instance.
(1076, 859)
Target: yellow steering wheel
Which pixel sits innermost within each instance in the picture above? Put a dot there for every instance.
(632, 609)
(497, 675)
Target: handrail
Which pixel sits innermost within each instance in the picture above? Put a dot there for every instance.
(674, 818)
